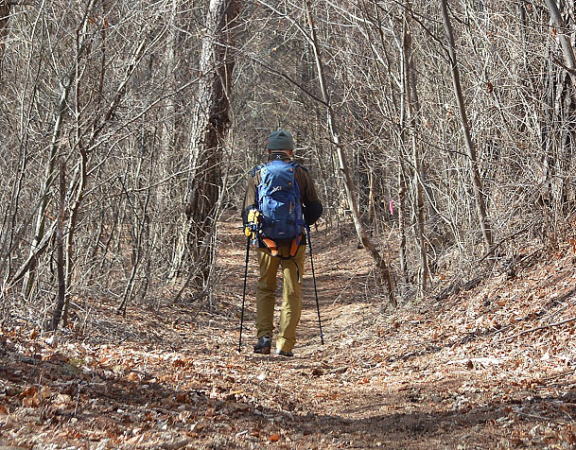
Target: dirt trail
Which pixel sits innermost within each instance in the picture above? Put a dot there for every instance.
(451, 374)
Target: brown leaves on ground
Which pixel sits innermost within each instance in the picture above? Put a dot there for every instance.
(484, 368)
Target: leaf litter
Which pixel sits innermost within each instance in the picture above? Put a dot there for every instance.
(491, 367)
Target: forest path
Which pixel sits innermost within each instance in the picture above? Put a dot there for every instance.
(456, 373)
(321, 398)
(433, 375)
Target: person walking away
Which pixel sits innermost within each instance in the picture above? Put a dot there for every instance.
(282, 198)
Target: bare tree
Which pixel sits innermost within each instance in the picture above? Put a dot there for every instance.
(210, 121)
(5, 7)
(134, 99)
(472, 155)
(561, 31)
(412, 111)
(343, 166)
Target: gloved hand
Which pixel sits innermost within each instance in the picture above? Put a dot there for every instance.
(252, 224)
(312, 212)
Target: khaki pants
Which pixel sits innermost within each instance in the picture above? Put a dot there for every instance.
(292, 271)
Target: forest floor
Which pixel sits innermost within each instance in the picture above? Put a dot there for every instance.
(472, 370)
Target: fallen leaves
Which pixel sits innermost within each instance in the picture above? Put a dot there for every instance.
(181, 363)
(441, 373)
(32, 397)
(31, 402)
(133, 376)
(29, 391)
(62, 401)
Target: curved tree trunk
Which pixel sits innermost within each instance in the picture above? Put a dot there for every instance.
(349, 184)
(210, 120)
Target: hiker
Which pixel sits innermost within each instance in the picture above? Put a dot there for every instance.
(274, 251)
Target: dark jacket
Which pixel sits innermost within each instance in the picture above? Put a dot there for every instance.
(311, 204)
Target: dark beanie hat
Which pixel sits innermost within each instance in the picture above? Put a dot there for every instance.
(280, 140)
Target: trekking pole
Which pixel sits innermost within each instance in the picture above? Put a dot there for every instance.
(315, 288)
(244, 292)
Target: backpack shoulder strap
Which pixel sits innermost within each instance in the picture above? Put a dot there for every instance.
(297, 165)
(256, 169)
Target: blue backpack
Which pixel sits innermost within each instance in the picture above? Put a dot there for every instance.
(279, 201)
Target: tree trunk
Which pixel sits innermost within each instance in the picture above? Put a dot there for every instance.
(349, 184)
(4, 15)
(562, 33)
(60, 264)
(49, 178)
(412, 111)
(558, 131)
(402, 220)
(210, 120)
(472, 155)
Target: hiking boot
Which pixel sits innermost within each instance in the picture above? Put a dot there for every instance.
(284, 353)
(263, 345)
